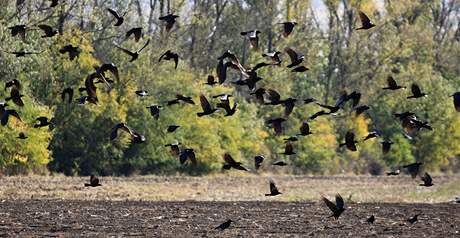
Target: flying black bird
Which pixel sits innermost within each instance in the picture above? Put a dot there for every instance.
(15, 96)
(371, 219)
(340, 103)
(427, 180)
(134, 55)
(224, 225)
(273, 189)
(187, 154)
(6, 113)
(304, 129)
(22, 136)
(361, 109)
(169, 55)
(386, 146)
(142, 93)
(170, 19)
(370, 135)
(180, 97)
(172, 128)
(12, 83)
(120, 19)
(413, 219)
(276, 123)
(259, 94)
(253, 37)
(365, 22)
(392, 85)
(413, 168)
(225, 104)
(74, 51)
(288, 27)
(300, 69)
(456, 97)
(258, 161)
(175, 150)
(206, 106)
(274, 98)
(136, 31)
(22, 53)
(43, 122)
(112, 68)
(289, 104)
(296, 59)
(416, 92)
(69, 93)
(231, 163)
(274, 56)
(48, 30)
(288, 149)
(211, 81)
(317, 114)
(338, 208)
(93, 182)
(135, 137)
(394, 172)
(18, 30)
(280, 163)
(350, 141)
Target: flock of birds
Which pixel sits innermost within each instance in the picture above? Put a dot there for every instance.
(409, 121)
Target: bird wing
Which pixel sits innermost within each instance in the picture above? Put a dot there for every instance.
(47, 29)
(339, 201)
(143, 47)
(391, 82)
(273, 95)
(205, 103)
(176, 60)
(304, 128)
(288, 149)
(364, 19)
(350, 138)
(292, 54)
(330, 204)
(228, 159)
(163, 55)
(273, 188)
(112, 68)
(124, 50)
(259, 65)
(427, 178)
(415, 89)
(114, 13)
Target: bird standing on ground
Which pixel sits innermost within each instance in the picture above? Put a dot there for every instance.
(93, 182)
(427, 180)
(224, 225)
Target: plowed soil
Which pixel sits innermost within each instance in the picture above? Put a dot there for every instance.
(77, 218)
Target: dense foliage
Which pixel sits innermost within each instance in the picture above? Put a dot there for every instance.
(414, 41)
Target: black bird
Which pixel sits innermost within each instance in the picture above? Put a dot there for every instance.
(187, 154)
(386, 146)
(253, 37)
(15, 96)
(273, 189)
(317, 114)
(370, 135)
(120, 19)
(172, 128)
(289, 104)
(456, 97)
(291, 139)
(250, 82)
(6, 113)
(211, 81)
(350, 141)
(136, 31)
(48, 30)
(394, 172)
(142, 93)
(288, 27)
(18, 30)
(416, 92)
(365, 22)
(69, 93)
(427, 180)
(304, 129)
(225, 104)
(355, 97)
(224, 225)
(134, 55)
(280, 163)
(338, 208)
(340, 103)
(300, 69)
(93, 182)
(43, 122)
(135, 137)
(288, 149)
(12, 83)
(274, 56)
(276, 123)
(180, 97)
(22, 136)
(413, 168)
(22, 53)
(231, 163)
(169, 55)
(309, 100)
(259, 94)
(112, 68)
(392, 85)
(175, 150)
(296, 59)
(54, 3)
(170, 19)
(274, 98)
(361, 109)
(258, 161)
(371, 219)
(90, 89)
(413, 219)
(74, 51)
(206, 106)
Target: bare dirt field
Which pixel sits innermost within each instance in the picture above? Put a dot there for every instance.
(59, 206)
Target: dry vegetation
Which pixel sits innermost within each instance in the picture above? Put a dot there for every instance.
(231, 188)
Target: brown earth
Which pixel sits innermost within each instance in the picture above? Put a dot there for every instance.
(71, 218)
